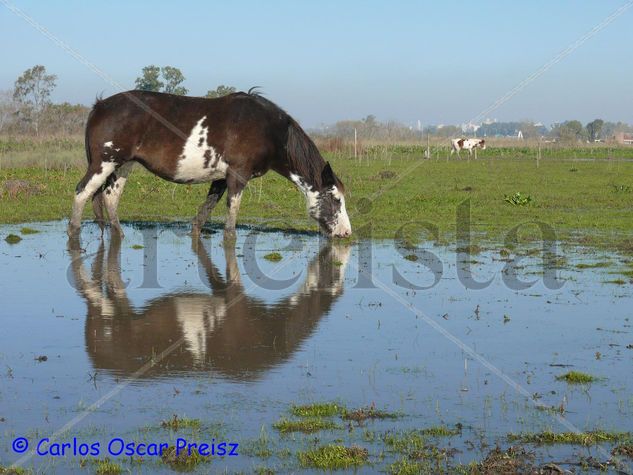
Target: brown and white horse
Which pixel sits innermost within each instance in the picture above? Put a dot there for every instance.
(466, 144)
(225, 141)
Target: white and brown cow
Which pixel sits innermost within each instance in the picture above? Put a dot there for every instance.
(466, 144)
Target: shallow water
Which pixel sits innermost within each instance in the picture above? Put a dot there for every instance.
(222, 334)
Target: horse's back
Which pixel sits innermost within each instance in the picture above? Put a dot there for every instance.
(175, 136)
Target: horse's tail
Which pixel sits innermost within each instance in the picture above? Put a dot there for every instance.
(303, 155)
(98, 203)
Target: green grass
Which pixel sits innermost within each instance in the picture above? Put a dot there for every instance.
(306, 425)
(577, 377)
(333, 457)
(13, 471)
(580, 438)
(176, 423)
(580, 207)
(273, 257)
(405, 466)
(107, 467)
(26, 230)
(183, 460)
(13, 239)
(595, 265)
(404, 442)
(441, 431)
(137, 246)
(327, 409)
(365, 413)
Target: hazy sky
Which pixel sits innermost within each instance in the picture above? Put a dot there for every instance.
(439, 62)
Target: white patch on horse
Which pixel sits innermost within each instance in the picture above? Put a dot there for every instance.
(199, 162)
(114, 191)
(107, 144)
(312, 197)
(96, 180)
(342, 226)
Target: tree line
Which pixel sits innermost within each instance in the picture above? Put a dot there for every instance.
(28, 110)
(571, 131)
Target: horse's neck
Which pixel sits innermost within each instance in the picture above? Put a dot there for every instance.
(308, 189)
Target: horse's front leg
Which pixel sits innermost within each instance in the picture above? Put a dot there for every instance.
(215, 193)
(235, 183)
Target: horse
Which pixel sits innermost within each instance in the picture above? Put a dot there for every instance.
(225, 141)
(467, 144)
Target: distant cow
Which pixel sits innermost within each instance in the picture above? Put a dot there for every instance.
(467, 144)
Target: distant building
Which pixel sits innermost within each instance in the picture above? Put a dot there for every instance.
(624, 138)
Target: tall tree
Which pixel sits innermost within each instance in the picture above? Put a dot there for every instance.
(569, 131)
(594, 129)
(220, 91)
(150, 79)
(32, 91)
(173, 77)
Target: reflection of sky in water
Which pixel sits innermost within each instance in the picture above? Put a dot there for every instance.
(321, 338)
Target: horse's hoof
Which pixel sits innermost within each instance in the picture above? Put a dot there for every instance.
(73, 231)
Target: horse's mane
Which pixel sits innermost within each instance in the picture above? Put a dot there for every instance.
(303, 154)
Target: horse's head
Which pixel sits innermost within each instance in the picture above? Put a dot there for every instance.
(329, 208)
(482, 144)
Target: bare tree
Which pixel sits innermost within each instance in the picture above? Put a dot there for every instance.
(32, 92)
(8, 110)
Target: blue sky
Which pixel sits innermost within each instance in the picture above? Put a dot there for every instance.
(439, 62)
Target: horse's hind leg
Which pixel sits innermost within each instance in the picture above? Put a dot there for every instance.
(215, 193)
(112, 194)
(94, 179)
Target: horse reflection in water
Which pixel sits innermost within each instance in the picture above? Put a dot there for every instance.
(226, 331)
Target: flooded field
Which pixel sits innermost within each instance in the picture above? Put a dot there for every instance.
(406, 360)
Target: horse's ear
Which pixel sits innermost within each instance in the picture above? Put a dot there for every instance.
(327, 176)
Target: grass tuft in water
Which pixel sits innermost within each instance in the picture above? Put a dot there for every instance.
(13, 239)
(364, 413)
(183, 459)
(442, 431)
(513, 460)
(14, 471)
(573, 438)
(137, 246)
(26, 230)
(273, 257)
(624, 449)
(576, 377)
(323, 409)
(615, 281)
(405, 466)
(107, 467)
(176, 423)
(404, 442)
(333, 457)
(471, 249)
(595, 265)
(307, 425)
